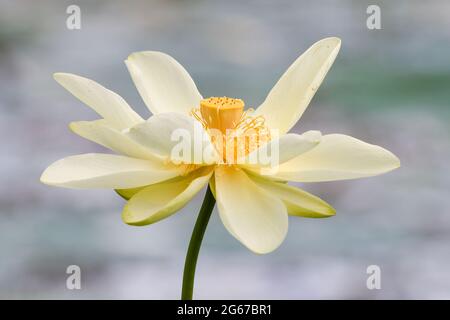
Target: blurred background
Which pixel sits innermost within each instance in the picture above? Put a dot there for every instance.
(389, 87)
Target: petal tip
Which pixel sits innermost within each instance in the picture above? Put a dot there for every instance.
(394, 161)
(58, 76)
(134, 55)
(45, 179)
(332, 40)
(73, 126)
(130, 219)
(331, 211)
(265, 250)
(42, 177)
(127, 217)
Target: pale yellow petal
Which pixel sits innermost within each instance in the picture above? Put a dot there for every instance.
(338, 157)
(163, 83)
(291, 95)
(100, 132)
(96, 170)
(161, 200)
(127, 194)
(106, 103)
(176, 137)
(280, 150)
(252, 215)
(297, 201)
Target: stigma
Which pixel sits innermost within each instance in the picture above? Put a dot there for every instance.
(221, 113)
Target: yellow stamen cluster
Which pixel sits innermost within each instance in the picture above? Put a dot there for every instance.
(234, 132)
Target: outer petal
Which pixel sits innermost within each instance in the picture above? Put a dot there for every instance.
(127, 194)
(291, 95)
(96, 170)
(164, 85)
(297, 201)
(175, 136)
(338, 157)
(106, 103)
(252, 215)
(280, 150)
(161, 200)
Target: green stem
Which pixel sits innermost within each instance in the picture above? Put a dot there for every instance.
(195, 244)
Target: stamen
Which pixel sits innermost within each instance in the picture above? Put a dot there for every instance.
(195, 112)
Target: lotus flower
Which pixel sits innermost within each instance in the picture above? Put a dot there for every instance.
(254, 202)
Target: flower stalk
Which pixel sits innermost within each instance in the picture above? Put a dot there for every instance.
(195, 243)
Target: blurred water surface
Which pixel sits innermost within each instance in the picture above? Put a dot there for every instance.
(388, 86)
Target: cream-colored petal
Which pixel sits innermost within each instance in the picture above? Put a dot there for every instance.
(97, 170)
(280, 150)
(338, 157)
(252, 215)
(291, 95)
(297, 201)
(106, 103)
(161, 200)
(163, 83)
(176, 137)
(100, 132)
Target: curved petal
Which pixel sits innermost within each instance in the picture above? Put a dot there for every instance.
(280, 150)
(127, 194)
(291, 95)
(252, 215)
(338, 157)
(97, 170)
(100, 132)
(112, 107)
(297, 201)
(163, 83)
(158, 201)
(176, 137)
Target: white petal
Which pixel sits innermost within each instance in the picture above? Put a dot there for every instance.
(280, 150)
(161, 200)
(252, 215)
(106, 103)
(291, 95)
(338, 157)
(96, 170)
(164, 85)
(297, 201)
(100, 132)
(175, 136)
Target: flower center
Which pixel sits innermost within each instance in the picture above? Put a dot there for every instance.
(234, 132)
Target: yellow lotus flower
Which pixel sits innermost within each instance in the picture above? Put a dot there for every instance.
(254, 207)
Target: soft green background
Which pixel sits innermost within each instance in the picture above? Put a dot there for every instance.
(390, 87)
